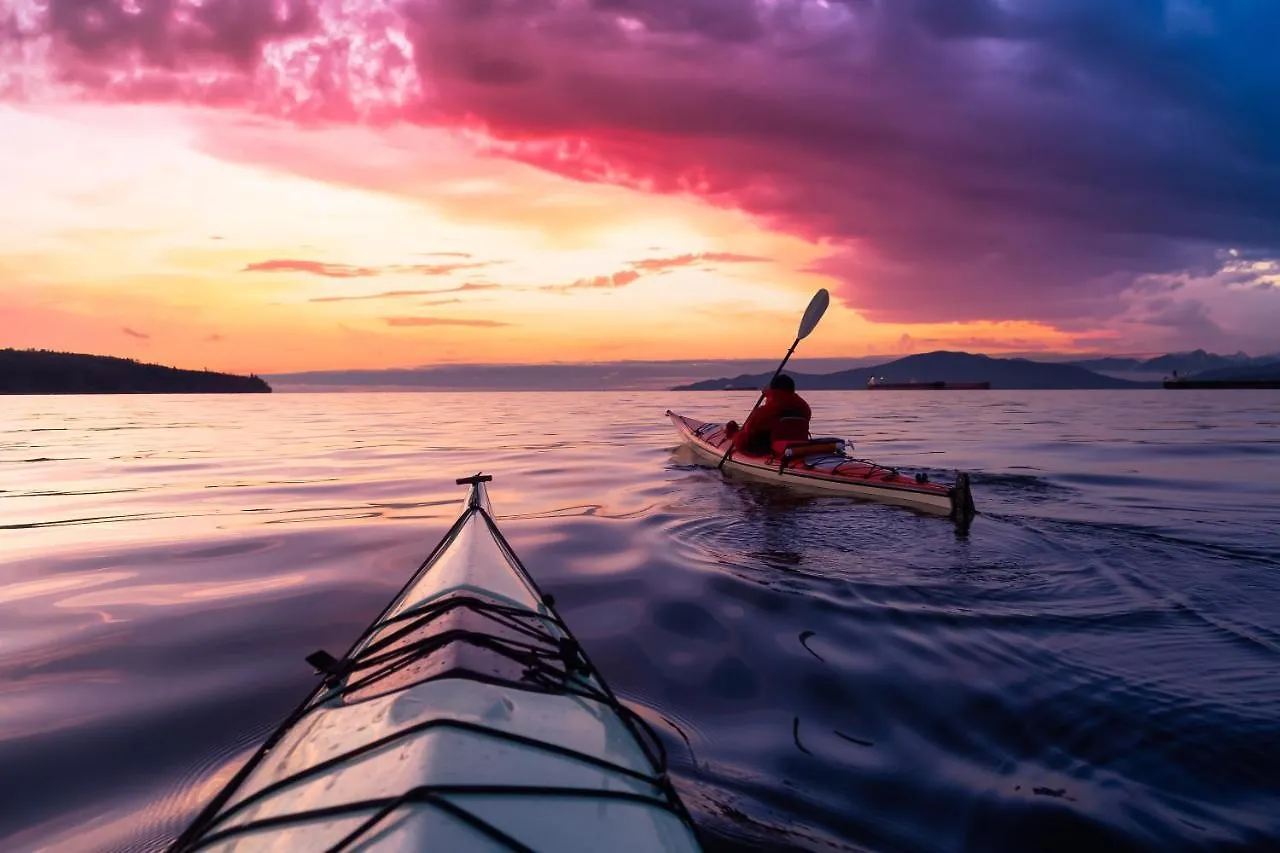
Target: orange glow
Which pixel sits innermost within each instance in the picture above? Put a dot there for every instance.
(206, 240)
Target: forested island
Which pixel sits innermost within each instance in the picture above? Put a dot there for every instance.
(47, 372)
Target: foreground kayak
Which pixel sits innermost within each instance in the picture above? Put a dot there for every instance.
(466, 718)
(823, 466)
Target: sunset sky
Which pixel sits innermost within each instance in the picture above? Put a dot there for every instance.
(320, 184)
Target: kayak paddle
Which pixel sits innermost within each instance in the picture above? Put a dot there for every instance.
(817, 307)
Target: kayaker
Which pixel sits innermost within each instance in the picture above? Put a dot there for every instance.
(782, 415)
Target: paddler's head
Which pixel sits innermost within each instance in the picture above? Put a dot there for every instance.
(782, 382)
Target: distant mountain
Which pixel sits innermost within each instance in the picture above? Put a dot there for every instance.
(1267, 371)
(1195, 361)
(45, 372)
(1002, 373)
(756, 381)
(1182, 362)
(1112, 364)
(597, 376)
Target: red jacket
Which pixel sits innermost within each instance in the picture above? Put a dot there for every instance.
(756, 435)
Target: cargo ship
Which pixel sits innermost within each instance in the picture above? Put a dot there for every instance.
(1220, 383)
(875, 384)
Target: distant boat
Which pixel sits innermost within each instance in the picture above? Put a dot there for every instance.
(1179, 383)
(875, 384)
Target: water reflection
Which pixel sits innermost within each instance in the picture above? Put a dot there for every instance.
(1095, 665)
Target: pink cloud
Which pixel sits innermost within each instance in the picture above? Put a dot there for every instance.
(687, 260)
(442, 321)
(438, 269)
(390, 294)
(975, 343)
(470, 286)
(313, 267)
(622, 278)
(400, 294)
(600, 282)
(328, 270)
(618, 279)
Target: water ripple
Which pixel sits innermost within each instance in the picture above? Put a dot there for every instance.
(1093, 667)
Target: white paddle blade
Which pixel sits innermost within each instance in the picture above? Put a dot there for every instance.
(817, 307)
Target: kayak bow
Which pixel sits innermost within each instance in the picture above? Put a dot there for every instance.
(465, 718)
(822, 465)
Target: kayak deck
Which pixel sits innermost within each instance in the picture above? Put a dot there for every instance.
(831, 471)
(465, 718)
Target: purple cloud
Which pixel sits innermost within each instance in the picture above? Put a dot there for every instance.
(962, 159)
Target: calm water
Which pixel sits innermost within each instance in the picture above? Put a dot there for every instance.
(1096, 666)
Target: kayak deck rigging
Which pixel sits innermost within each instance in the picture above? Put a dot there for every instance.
(512, 651)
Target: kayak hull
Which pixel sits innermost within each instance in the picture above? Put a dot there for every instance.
(465, 718)
(829, 473)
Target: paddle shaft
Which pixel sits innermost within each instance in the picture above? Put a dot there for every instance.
(776, 373)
